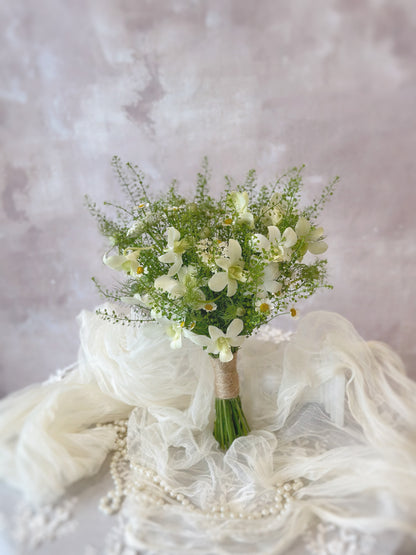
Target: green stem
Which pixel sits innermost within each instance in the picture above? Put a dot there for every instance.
(230, 421)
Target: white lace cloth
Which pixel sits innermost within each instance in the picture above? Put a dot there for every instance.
(329, 467)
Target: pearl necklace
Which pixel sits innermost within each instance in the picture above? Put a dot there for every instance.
(145, 485)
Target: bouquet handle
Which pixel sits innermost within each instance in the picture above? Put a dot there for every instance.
(230, 421)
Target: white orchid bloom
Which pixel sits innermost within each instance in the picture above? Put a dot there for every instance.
(274, 212)
(185, 286)
(312, 238)
(136, 229)
(269, 284)
(239, 202)
(123, 263)
(175, 249)
(174, 331)
(219, 342)
(277, 245)
(233, 270)
(137, 299)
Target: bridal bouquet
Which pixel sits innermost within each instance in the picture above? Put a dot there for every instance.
(214, 270)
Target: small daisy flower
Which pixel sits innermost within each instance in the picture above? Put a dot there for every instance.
(264, 306)
(209, 307)
(141, 270)
(294, 313)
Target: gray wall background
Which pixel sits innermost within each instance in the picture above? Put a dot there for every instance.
(266, 84)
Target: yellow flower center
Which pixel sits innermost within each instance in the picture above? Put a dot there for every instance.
(264, 307)
(142, 205)
(293, 312)
(227, 221)
(182, 324)
(209, 307)
(193, 324)
(140, 270)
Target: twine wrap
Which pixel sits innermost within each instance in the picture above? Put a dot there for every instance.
(226, 379)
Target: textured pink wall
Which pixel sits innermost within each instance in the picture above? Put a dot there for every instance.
(262, 84)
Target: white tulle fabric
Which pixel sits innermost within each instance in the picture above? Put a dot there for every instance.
(325, 407)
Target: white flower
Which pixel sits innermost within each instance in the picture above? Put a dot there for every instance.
(239, 201)
(219, 342)
(174, 332)
(269, 284)
(312, 238)
(175, 250)
(208, 306)
(264, 306)
(137, 299)
(136, 229)
(274, 211)
(294, 313)
(233, 266)
(123, 262)
(185, 286)
(277, 245)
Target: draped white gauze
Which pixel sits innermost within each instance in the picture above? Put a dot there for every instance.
(357, 468)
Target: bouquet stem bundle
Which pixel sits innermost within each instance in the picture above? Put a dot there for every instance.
(230, 421)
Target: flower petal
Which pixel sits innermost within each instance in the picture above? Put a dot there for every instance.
(168, 258)
(218, 281)
(226, 354)
(173, 235)
(237, 341)
(165, 282)
(232, 287)
(260, 242)
(234, 250)
(289, 237)
(116, 262)
(317, 248)
(174, 269)
(223, 263)
(202, 340)
(215, 332)
(302, 227)
(316, 234)
(272, 287)
(271, 271)
(274, 234)
(235, 328)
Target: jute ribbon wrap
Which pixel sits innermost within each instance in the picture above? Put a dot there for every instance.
(226, 379)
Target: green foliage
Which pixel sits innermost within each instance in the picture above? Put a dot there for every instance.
(138, 238)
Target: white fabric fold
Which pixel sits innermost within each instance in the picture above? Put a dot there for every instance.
(325, 407)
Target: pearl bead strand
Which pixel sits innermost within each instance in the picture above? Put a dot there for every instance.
(112, 502)
(145, 485)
